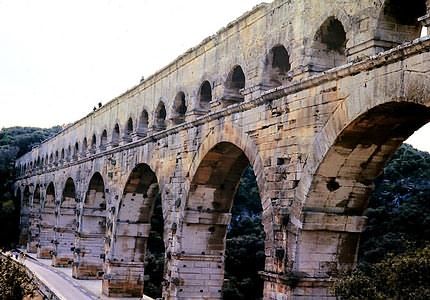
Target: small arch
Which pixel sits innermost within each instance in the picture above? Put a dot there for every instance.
(143, 123)
(235, 83)
(69, 153)
(398, 22)
(76, 150)
(160, 117)
(94, 144)
(129, 128)
(329, 46)
(103, 140)
(50, 194)
(84, 147)
(179, 108)
(205, 96)
(115, 136)
(63, 155)
(46, 159)
(57, 156)
(276, 67)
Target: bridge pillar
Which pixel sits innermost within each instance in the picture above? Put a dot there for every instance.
(62, 255)
(123, 279)
(88, 256)
(46, 237)
(195, 276)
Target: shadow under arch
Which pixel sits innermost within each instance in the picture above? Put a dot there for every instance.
(66, 226)
(329, 45)
(339, 188)
(47, 223)
(89, 242)
(125, 265)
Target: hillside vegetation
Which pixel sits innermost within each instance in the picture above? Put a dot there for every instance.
(14, 142)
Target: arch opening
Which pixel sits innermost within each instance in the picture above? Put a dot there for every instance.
(89, 242)
(160, 117)
(179, 108)
(94, 144)
(398, 22)
(47, 223)
(66, 226)
(84, 147)
(205, 96)
(329, 46)
(115, 136)
(276, 67)
(214, 214)
(103, 140)
(129, 128)
(132, 238)
(143, 123)
(233, 86)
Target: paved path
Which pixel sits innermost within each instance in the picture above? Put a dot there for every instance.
(61, 282)
(58, 283)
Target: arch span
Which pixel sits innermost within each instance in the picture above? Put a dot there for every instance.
(47, 223)
(214, 175)
(339, 188)
(130, 233)
(89, 242)
(66, 226)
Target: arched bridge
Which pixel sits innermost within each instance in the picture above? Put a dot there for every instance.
(314, 95)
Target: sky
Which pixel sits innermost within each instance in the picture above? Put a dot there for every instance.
(59, 58)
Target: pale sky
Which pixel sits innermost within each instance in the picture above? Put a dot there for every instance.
(59, 58)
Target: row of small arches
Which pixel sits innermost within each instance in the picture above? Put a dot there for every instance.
(330, 44)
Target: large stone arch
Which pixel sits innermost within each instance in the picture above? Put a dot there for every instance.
(66, 225)
(89, 241)
(347, 155)
(205, 213)
(47, 222)
(129, 233)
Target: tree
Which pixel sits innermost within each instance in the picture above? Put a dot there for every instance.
(14, 281)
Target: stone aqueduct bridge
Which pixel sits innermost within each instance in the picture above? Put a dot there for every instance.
(314, 95)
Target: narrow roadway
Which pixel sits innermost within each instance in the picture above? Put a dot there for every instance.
(58, 283)
(64, 286)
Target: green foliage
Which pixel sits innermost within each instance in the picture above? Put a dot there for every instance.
(245, 243)
(406, 276)
(14, 281)
(14, 142)
(154, 260)
(399, 208)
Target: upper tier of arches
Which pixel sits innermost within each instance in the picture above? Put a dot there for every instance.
(332, 42)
